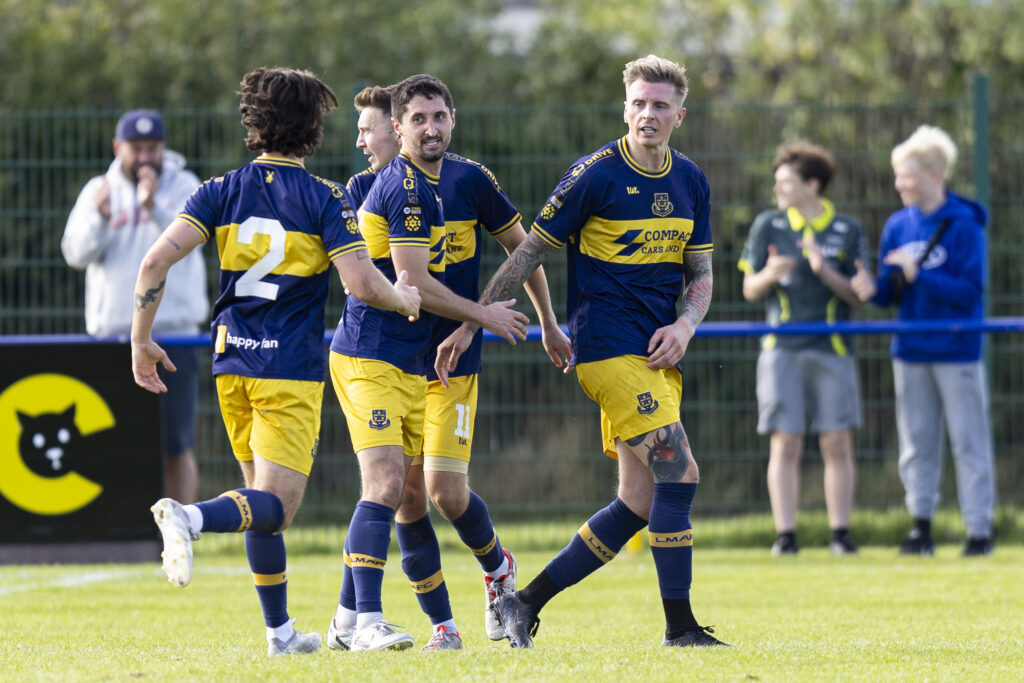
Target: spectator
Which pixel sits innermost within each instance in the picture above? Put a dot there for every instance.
(932, 256)
(800, 260)
(117, 217)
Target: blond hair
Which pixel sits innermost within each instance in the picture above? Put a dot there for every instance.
(931, 146)
(655, 69)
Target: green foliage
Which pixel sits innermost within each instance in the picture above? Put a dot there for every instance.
(164, 53)
(810, 617)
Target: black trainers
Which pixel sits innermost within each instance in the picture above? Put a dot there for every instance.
(785, 545)
(842, 546)
(517, 618)
(699, 637)
(978, 546)
(917, 543)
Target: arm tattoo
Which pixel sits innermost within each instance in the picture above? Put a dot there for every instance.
(697, 296)
(668, 457)
(173, 243)
(362, 254)
(143, 300)
(530, 253)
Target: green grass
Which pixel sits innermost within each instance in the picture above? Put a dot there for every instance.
(876, 616)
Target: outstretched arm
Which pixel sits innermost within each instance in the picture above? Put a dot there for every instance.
(668, 344)
(530, 254)
(556, 344)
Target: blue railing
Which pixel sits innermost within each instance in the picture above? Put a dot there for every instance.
(998, 325)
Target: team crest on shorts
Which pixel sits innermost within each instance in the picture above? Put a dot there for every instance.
(379, 419)
(645, 403)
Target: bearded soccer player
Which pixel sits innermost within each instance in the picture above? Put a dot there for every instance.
(278, 229)
(634, 214)
(379, 368)
(472, 200)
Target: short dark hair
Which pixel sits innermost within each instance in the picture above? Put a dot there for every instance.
(420, 84)
(375, 97)
(810, 161)
(283, 110)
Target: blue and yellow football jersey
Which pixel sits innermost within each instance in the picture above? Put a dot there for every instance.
(472, 199)
(359, 186)
(278, 228)
(401, 209)
(627, 230)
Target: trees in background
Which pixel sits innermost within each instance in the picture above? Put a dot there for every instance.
(182, 53)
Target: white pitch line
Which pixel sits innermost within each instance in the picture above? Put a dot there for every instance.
(73, 580)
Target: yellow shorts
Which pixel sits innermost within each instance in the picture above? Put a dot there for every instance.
(448, 426)
(278, 419)
(634, 399)
(382, 404)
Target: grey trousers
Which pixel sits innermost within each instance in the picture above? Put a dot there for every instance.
(929, 395)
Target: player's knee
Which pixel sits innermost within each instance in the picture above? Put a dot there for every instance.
(692, 474)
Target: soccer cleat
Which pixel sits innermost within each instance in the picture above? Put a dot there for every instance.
(300, 643)
(842, 546)
(977, 547)
(380, 636)
(785, 545)
(339, 638)
(517, 618)
(917, 543)
(502, 585)
(442, 640)
(170, 517)
(699, 637)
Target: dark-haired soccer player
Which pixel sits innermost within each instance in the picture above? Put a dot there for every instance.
(634, 214)
(473, 201)
(379, 367)
(278, 230)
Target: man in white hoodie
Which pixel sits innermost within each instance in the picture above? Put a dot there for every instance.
(115, 220)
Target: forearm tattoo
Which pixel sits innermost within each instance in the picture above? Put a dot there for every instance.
(697, 297)
(668, 456)
(143, 300)
(530, 253)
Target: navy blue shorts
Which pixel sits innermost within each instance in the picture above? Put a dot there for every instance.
(179, 406)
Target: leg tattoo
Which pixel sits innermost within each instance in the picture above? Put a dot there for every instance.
(668, 456)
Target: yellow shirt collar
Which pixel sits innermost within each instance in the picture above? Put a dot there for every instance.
(797, 220)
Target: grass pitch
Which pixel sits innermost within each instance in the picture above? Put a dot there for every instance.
(876, 616)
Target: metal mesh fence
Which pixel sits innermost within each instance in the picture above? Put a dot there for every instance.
(537, 447)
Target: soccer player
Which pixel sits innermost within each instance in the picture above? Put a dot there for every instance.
(278, 230)
(801, 260)
(472, 198)
(634, 214)
(379, 367)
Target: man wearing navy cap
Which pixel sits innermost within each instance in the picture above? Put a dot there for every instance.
(117, 217)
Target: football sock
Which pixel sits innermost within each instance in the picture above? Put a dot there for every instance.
(840, 533)
(678, 617)
(595, 544)
(284, 632)
(477, 531)
(242, 510)
(421, 562)
(369, 534)
(267, 561)
(347, 597)
(672, 538)
(539, 592)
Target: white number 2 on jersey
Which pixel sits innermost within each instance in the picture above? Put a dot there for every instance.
(251, 283)
(464, 423)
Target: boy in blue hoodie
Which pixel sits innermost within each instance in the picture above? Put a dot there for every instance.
(932, 266)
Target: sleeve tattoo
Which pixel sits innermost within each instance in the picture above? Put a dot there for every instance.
(530, 253)
(697, 296)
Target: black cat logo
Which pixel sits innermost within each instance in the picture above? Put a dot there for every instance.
(48, 441)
